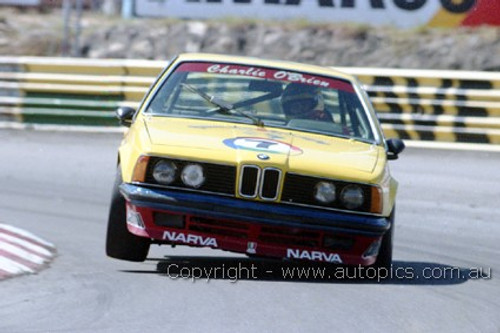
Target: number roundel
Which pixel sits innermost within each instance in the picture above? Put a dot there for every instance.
(262, 145)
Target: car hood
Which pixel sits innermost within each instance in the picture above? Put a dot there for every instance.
(289, 150)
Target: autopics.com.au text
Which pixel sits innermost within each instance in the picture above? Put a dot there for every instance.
(253, 271)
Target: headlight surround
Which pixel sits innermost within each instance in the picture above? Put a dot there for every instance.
(325, 192)
(192, 175)
(352, 196)
(165, 172)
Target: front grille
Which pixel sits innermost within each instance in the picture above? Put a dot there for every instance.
(296, 237)
(249, 181)
(264, 183)
(299, 189)
(270, 184)
(218, 227)
(218, 178)
(254, 232)
(232, 231)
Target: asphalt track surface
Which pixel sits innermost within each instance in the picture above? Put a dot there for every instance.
(57, 185)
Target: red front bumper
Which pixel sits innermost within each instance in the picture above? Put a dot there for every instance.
(253, 238)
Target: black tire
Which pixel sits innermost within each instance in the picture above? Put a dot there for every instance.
(120, 243)
(384, 258)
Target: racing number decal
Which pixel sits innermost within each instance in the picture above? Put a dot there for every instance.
(262, 145)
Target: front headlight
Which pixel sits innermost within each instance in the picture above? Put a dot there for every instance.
(164, 172)
(352, 196)
(192, 175)
(324, 192)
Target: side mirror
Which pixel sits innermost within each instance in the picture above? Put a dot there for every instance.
(125, 114)
(395, 147)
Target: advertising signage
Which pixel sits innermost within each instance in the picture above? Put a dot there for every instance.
(398, 13)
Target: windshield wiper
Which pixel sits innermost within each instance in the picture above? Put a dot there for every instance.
(222, 105)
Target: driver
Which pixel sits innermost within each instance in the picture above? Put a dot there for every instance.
(301, 101)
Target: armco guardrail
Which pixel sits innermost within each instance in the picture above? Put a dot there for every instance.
(71, 91)
(453, 106)
(459, 106)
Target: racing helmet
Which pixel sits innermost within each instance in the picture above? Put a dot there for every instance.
(298, 100)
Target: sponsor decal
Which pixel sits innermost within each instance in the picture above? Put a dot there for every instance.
(313, 255)
(267, 73)
(252, 247)
(262, 145)
(300, 78)
(174, 236)
(237, 70)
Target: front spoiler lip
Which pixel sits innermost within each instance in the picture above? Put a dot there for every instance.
(252, 211)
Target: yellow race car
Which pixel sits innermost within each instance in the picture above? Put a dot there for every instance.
(267, 158)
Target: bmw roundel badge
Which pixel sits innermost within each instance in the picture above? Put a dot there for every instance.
(263, 157)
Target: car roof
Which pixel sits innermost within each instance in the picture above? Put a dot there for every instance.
(251, 61)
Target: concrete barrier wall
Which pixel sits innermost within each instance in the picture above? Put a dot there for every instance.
(452, 106)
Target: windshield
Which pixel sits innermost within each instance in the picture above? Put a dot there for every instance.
(263, 97)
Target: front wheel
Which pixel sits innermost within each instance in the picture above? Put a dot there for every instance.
(120, 243)
(384, 258)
